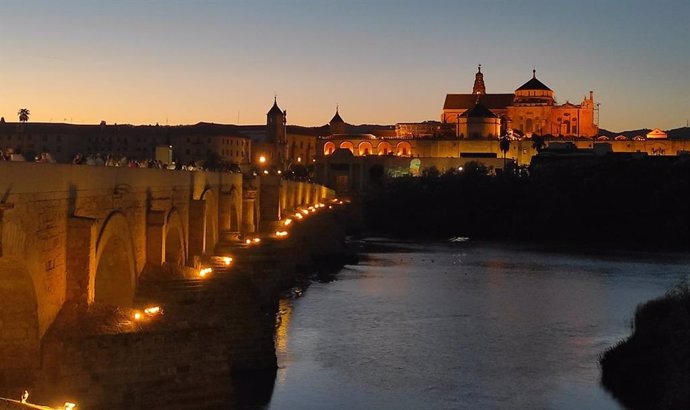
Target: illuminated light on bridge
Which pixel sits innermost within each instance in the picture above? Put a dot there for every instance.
(153, 311)
(205, 271)
(69, 405)
(256, 240)
(287, 222)
(227, 260)
(281, 234)
(298, 216)
(137, 316)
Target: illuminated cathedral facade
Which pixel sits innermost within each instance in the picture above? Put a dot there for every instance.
(530, 110)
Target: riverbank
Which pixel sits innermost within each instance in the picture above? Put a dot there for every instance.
(651, 369)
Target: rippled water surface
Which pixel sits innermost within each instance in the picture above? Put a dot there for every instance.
(463, 327)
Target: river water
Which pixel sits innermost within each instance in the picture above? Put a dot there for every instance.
(475, 326)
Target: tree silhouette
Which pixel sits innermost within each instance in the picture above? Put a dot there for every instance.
(538, 142)
(504, 144)
(23, 114)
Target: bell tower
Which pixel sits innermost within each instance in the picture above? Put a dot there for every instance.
(276, 124)
(479, 88)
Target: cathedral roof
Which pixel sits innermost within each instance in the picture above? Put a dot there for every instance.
(275, 109)
(534, 84)
(478, 111)
(467, 101)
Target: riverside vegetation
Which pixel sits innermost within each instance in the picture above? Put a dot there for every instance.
(651, 369)
(606, 203)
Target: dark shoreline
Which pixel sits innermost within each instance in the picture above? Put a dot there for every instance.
(651, 369)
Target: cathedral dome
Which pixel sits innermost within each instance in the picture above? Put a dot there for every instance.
(478, 111)
(533, 92)
(533, 84)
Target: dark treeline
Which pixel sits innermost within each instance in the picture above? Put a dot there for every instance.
(616, 201)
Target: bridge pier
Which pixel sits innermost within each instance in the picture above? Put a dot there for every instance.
(248, 204)
(82, 234)
(197, 228)
(155, 238)
(229, 219)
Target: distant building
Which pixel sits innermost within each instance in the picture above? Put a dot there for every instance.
(657, 134)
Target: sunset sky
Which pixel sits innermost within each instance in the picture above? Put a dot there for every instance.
(181, 62)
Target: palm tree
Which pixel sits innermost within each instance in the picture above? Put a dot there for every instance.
(24, 114)
(504, 145)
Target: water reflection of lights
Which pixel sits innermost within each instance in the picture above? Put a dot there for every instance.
(282, 329)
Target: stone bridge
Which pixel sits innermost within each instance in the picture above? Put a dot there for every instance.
(81, 235)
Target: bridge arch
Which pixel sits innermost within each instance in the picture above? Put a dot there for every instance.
(115, 278)
(19, 328)
(175, 247)
(211, 219)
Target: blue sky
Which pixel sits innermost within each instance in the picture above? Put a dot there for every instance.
(381, 61)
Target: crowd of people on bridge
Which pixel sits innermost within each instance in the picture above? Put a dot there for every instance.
(111, 160)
